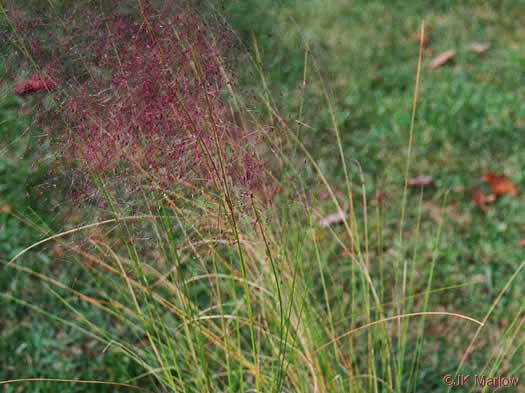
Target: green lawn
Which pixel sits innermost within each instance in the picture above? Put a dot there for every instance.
(470, 120)
(33, 345)
(470, 116)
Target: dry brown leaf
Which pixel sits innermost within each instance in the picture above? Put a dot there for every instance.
(420, 181)
(522, 242)
(442, 58)
(499, 184)
(479, 48)
(479, 199)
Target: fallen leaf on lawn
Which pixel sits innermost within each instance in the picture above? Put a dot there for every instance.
(426, 36)
(479, 48)
(442, 58)
(335, 218)
(522, 242)
(499, 184)
(420, 181)
(34, 84)
(459, 190)
(479, 199)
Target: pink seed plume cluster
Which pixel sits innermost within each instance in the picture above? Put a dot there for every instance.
(142, 95)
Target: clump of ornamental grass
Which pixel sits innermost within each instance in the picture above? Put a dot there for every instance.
(138, 109)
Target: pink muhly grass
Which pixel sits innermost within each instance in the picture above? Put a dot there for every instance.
(144, 94)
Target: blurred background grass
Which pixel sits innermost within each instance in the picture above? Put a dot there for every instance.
(470, 120)
(470, 117)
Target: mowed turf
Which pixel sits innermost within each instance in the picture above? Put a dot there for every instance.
(470, 120)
